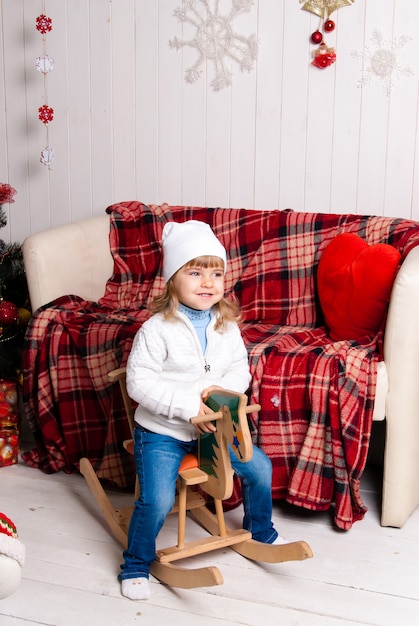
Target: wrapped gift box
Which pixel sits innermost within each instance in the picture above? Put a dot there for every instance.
(9, 433)
(9, 443)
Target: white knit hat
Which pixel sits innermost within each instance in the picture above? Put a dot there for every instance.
(185, 241)
(9, 543)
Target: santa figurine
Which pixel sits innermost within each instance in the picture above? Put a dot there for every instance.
(12, 557)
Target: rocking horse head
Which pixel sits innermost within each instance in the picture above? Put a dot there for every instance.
(230, 412)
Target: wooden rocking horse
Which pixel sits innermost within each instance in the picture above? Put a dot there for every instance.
(212, 471)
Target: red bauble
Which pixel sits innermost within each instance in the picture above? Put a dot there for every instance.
(329, 25)
(317, 37)
(9, 313)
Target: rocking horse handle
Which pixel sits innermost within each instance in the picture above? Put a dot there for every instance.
(210, 417)
(252, 408)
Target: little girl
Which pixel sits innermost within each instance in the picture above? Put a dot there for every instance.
(190, 347)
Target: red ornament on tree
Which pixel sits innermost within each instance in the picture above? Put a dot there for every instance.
(9, 313)
(6, 193)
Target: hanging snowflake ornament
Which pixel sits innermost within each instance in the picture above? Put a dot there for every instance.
(46, 113)
(381, 61)
(47, 156)
(44, 64)
(43, 24)
(215, 39)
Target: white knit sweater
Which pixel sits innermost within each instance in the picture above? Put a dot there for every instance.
(167, 371)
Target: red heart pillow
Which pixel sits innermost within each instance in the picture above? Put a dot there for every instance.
(354, 282)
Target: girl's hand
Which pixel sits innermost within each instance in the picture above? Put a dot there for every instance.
(208, 391)
(205, 427)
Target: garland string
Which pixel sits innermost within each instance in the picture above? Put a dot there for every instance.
(45, 64)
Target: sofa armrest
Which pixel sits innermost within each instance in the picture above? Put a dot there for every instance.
(73, 259)
(401, 355)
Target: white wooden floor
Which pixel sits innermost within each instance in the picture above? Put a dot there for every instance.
(366, 576)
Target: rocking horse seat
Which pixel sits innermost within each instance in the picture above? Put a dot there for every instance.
(189, 468)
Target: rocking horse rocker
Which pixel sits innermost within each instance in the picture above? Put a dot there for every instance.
(213, 473)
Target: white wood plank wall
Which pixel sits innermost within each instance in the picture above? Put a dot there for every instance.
(128, 126)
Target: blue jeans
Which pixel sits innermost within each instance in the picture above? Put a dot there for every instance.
(157, 459)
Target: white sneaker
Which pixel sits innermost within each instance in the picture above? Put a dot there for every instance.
(136, 588)
(279, 541)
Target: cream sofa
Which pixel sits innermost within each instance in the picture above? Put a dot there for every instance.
(76, 259)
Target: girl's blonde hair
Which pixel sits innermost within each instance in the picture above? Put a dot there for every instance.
(168, 302)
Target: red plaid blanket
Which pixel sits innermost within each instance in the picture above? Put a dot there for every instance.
(316, 395)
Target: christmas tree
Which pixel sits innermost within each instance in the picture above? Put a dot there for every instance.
(14, 298)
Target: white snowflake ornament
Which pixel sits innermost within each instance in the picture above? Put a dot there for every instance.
(44, 64)
(381, 62)
(215, 39)
(47, 156)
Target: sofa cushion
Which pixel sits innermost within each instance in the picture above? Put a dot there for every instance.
(354, 283)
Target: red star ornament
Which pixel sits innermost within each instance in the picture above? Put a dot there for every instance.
(324, 8)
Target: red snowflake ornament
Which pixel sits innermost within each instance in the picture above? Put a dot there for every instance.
(46, 114)
(43, 24)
